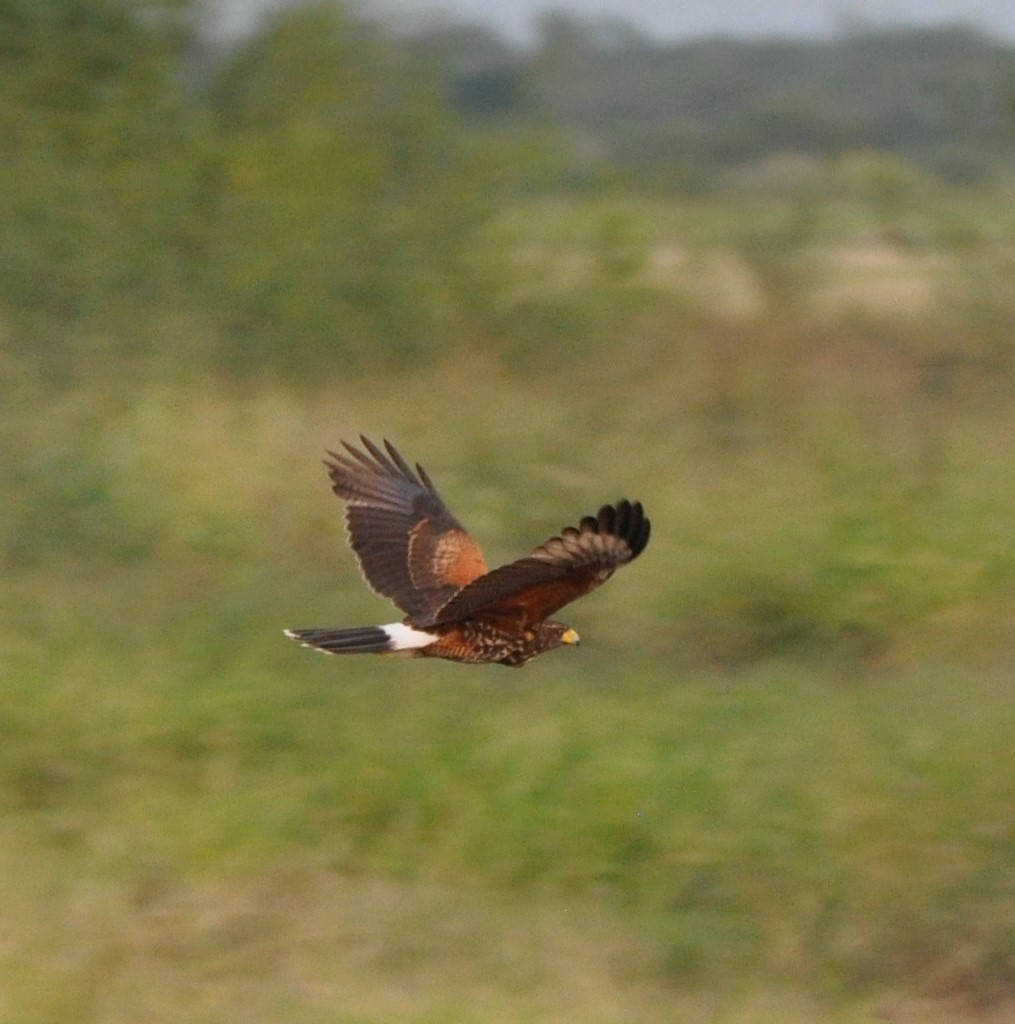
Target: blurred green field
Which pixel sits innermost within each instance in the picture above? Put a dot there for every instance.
(775, 783)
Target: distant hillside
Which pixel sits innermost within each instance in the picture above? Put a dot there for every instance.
(942, 98)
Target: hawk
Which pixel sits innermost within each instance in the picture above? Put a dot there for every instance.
(412, 550)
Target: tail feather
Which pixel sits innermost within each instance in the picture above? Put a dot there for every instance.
(362, 639)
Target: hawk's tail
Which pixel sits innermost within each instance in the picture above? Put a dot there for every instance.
(363, 639)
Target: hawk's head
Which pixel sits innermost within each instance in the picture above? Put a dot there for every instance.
(553, 634)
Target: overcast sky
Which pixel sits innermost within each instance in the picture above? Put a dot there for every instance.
(681, 19)
(675, 19)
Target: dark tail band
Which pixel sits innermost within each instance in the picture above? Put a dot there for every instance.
(358, 640)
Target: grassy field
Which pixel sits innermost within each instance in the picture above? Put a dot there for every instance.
(774, 784)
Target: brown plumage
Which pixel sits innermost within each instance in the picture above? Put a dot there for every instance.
(412, 550)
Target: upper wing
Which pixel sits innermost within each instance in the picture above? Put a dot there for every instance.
(410, 547)
(561, 570)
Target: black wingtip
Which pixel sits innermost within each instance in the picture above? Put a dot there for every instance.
(381, 462)
(627, 520)
(379, 457)
(358, 461)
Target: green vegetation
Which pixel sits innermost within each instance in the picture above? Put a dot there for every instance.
(679, 116)
(776, 781)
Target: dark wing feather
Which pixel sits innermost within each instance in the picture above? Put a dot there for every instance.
(556, 573)
(410, 547)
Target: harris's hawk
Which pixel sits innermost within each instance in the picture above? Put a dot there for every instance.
(412, 550)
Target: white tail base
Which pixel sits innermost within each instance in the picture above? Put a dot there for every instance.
(405, 638)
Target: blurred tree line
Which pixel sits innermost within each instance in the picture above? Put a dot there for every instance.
(308, 182)
(675, 115)
(325, 184)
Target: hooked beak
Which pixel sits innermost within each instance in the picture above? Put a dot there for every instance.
(570, 636)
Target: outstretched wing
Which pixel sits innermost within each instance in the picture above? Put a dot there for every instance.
(563, 569)
(410, 547)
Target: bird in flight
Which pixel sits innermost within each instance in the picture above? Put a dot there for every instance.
(413, 551)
